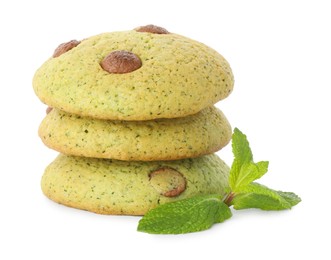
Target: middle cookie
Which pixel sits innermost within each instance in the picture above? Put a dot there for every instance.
(162, 139)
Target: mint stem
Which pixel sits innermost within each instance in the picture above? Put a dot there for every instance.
(228, 199)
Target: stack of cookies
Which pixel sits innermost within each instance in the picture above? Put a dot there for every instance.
(132, 116)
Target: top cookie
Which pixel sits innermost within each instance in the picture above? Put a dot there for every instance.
(142, 74)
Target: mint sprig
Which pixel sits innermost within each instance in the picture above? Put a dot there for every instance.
(201, 212)
(245, 193)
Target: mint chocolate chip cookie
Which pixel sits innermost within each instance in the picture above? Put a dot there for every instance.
(159, 139)
(141, 74)
(131, 188)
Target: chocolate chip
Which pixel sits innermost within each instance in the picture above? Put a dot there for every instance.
(151, 29)
(120, 62)
(167, 181)
(48, 109)
(64, 47)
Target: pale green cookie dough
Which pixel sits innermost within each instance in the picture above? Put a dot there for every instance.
(160, 139)
(178, 77)
(130, 188)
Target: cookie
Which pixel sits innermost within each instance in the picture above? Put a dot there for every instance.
(159, 139)
(141, 74)
(130, 188)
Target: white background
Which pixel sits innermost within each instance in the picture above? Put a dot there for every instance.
(280, 53)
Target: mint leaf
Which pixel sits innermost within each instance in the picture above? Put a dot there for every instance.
(184, 216)
(249, 172)
(262, 168)
(290, 197)
(259, 196)
(240, 147)
(243, 170)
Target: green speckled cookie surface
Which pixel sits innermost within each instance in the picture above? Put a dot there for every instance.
(178, 77)
(160, 139)
(130, 188)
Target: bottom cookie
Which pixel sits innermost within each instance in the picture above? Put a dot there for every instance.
(130, 188)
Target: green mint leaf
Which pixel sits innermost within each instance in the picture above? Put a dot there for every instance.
(240, 147)
(248, 173)
(184, 216)
(259, 196)
(243, 170)
(290, 197)
(262, 168)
